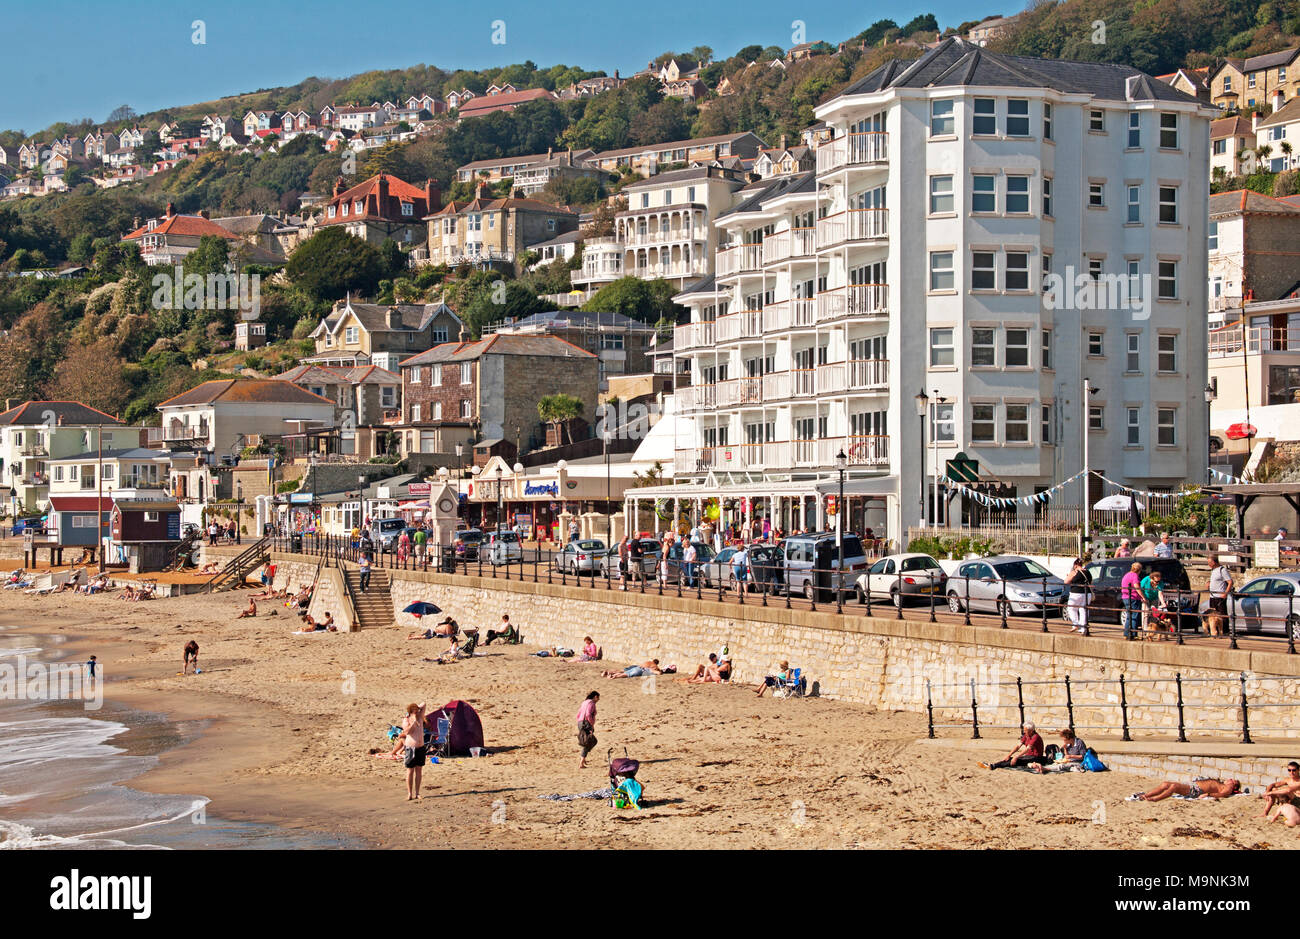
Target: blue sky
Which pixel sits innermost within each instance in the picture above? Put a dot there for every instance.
(87, 57)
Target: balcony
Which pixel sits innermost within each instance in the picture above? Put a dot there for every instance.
(1259, 339)
(868, 374)
(740, 391)
(868, 451)
(698, 398)
(740, 259)
(178, 432)
(820, 452)
(789, 244)
(832, 378)
(665, 236)
(693, 336)
(853, 225)
(36, 451)
(747, 324)
(861, 300)
(861, 149)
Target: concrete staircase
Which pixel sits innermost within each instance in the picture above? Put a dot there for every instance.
(374, 608)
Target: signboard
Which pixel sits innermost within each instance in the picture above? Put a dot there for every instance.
(832, 505)
(1268, 554)
(726, 455)
(174, 525)
(525, 522)
(419, 489)
(115, 524)
(551, 488)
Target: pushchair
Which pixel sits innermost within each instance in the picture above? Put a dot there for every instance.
(625, 790)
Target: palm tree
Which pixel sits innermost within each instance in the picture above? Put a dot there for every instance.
(558, 410)
(1285, 147)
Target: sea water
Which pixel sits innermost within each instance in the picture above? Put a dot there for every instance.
(63, 769)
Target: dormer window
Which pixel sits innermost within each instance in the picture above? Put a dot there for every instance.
(356, 207)
(345, 208)
(407, 208)
(332, 211)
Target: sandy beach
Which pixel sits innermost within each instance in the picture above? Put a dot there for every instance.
(290, 724)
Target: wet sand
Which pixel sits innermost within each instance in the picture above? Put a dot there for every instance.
(288, 725)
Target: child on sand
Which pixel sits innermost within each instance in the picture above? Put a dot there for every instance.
(250, 610)
(191, 657)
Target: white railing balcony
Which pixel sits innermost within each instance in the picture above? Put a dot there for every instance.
(820, 452)
(746, 324)
(750, 389)
(790, 243)
(777, 316)
(869, 300)
(868, 373)
(868, 451)
(776, 386)
(1265, 339)
(692, 336)
(868, 224)
(740, 259)
(698, 398)
(831, 378)
(803, 381)
(803, 312)
(831, 230)
(853, 150)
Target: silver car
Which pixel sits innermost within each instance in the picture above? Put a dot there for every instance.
(1005, 581)
(1269, 604)
(581, 557)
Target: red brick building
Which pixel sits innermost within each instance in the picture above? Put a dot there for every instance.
(383, 207)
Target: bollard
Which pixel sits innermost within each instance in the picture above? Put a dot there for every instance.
(838, 582)
(1232, 621)
(929, 709)
(1020, 700)
(1123, 707)
(1044, 604)
(1292, 624)
(1069, 704)
(1182, 728)
(932, 619)
(1178, 616)
(1245, 713)
(868, 591)
(974, 712)
(898, 593)
(1087, 605)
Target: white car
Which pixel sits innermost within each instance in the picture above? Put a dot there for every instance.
(503, 547)
(902, 577)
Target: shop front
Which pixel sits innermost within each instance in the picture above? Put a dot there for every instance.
(535, 503)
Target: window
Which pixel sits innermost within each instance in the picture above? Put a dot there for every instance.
(1250, 80)
(1166, 434)
(550, 224)
(1134, 204)
(1096, 195)
(1169, 131)
(1134, 131)
(437, 411)
(1017, 348)
(466, 373)
(1167, 280)
(465, 410)
(645, 200)
(941, 351)
(983, 348)
(1094, 269)
(1047, 121)
(351, 334)
(1133, 355)
(1096, 417)
(981, 423)
(1133, 427)
(941, 194)
(1168, 205)
(1134, 282)
(407, 208)
(941, 119)
(983, 275)
(1281, 73)
(1097, 121)
(1018, 194)
(985, 120)
(1017, 424)
(984, 194)
(58, 474)
(941, 273)
(415, 414)
(1018, 117)
(1213, 236)
(151, 516)
(1047, 196)
(1167, 353)
(1047, 423)
(435, 375)
(415, 374)
(387, 396)
(1095, 344)
(1017, 270)
(943, 427)
(1047, 349)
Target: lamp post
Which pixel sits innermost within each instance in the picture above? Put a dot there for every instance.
(460, 461)
(500, 499)
(605, 438)
(841, 463)
(939, 401)
(1088, 392)
(1210, 394)
(519, 475)
(361, 499)
(922, 401)
(475, 471)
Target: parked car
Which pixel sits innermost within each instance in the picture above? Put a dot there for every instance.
(1005, 581)
(466, 542)
(503, 547)
(581, 557)
(1105, 606)
(677, 568)
(29, 524)
(766, 568)
(818, 551)
(1269, 604)
(650, 551)
(386, 531)
(903, 577)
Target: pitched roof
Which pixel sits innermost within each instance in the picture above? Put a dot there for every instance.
(958, 63)
(1270, 60)
(32, 413)
(328, 375)
(126, 453)
(774, 188)
(579, 318)
(693, 143)
(195, 226)
(1236, 126)
(497, 205)
(485, 103)
(1286, 114)
(373, 317)
(249, 390)
(498, 344)
(682, 175)
(1247, 201)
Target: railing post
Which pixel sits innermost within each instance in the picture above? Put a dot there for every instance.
(1182, 728)
(898, 593)
(1044, 604)
(929, 709)
(1087, 605)
(1123, 707)
(1245, 713)
(1069, 704)
(1004, 603)
(932, 618)
(1232, 621)
(974, 712)
(1291, 624)
(966, 604)
(1020, 700)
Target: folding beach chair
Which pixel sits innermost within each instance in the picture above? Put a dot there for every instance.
(792, 687)
(441, 739)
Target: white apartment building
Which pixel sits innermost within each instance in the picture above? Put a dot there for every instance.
(918, 258)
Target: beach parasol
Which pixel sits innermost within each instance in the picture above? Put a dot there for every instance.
(1241, 431)
(422, 608)
(1117, 502)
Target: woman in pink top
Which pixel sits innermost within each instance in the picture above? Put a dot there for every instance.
(1130, 594)
(587, 726)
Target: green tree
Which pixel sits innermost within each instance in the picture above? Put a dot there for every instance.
(559, 410)
(642, 300)
(332, 263)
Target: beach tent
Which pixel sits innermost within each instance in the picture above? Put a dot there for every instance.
(466, 729)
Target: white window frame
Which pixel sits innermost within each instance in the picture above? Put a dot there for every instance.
(1166, 427)
(1019, 348)
(1021, 195)
(942, 350)
(466, 373)
(1134, 216)
(1133, 426)
(991, 346)
(1171, 279)
(937, 193)
(983, 267)
(943, 120)
(1133, 354)
(1019, 272)
(940, 273)
(1017, 118)
(1167, 353)
(1134, 130)
(977, 194)
(984, 111)
(1167, 132)
(1170, 203)
(977, 410)
(1010, 424)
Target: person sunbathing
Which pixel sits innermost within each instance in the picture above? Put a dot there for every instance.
(426, 633)
(707, 673)
(1200, 788)
(590, 651)
(210, 568)
(448, 627)
(771, 681)
(69, 584)
(636, 671)
(307, 624)
(506, 632)
(250, 610)
(94, 586)
(327, 623)
(1283, 797)
(146, 592)
(128, 593)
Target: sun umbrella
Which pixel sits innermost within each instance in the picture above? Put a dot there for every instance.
(1241, 431)
(422, 608)
(1115, 503)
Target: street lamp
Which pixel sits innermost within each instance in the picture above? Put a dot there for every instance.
(1210, 394)
(474, 471)
(460, 461)
(606, 436)
(922, 401)
(841, 462)
(1088, 392)
(500, 500)
(939, 401)
(518, 469)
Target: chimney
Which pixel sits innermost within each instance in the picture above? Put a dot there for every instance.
(569, 156)
(1254, 121)
(615, 74)
(432, 195)
(135, 223)
(517, 194)
(204, 213)
(783, 142)
(393, 318)
(338, 186)
(383, 191)
(548, 153)
(1279, 99)
(482, 191)
(171, 209)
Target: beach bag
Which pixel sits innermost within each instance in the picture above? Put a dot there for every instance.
(1092, 763)
(627, 794)
(586, 736)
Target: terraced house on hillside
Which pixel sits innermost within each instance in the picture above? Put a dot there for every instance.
(487, 230)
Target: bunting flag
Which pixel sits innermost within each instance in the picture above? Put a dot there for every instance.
(1224, 477)
(1006, 502)
(1148, 493)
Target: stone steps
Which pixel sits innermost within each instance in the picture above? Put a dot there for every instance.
(374, 607)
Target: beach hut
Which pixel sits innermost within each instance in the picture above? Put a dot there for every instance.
(143, 532)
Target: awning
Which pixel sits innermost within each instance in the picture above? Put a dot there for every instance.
(418, 504)
(80, 503)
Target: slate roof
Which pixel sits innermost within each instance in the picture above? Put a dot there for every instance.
(68, 413)
(263, 391)
(498, 344)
